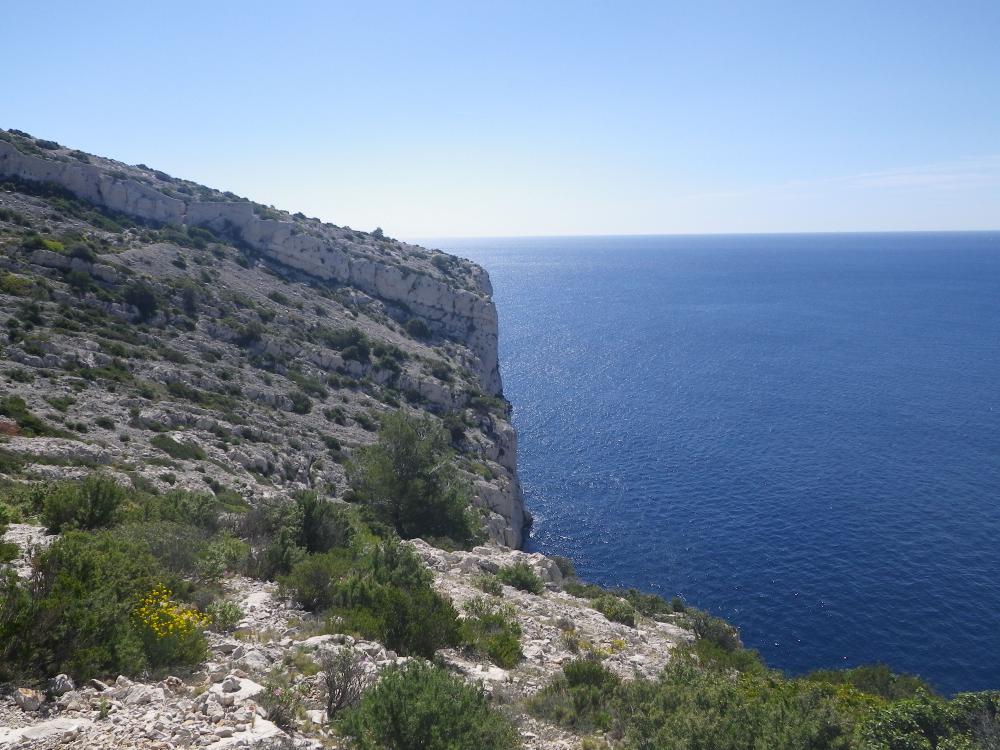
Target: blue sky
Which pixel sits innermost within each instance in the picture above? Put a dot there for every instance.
(476, 118)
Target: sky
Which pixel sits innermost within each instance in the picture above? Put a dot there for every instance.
(438, 119)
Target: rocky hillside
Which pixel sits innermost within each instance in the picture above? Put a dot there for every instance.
(187, 338)
(258, 489)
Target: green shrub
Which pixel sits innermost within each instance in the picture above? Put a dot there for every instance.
(388, 597)
(694, 708)
(177, 547)
(194, 508)
(76, 615)
(874, 679)
(281, 700)
(224, 615)
(490, 627)
(141, 296)
(93, 503)
(970, 721)
(315, 581)
(8, 551)
(178, 450)
(325, 525)
(580, 698)
(221, 554)
(417, 328)
(409, 481)
(713, 656)
(522, 576)
(615, 609)
(301, 403)
(565, 566)
(489, 583)
(583, 590)
(714, 629)
(422, 706)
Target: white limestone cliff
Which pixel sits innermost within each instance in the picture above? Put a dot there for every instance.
(456, 305)
(464, 315)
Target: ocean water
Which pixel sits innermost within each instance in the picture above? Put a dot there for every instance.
(800, 433)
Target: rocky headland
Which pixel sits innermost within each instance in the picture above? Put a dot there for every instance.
(250, 405)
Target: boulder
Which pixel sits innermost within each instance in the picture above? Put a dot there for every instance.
(28, 699)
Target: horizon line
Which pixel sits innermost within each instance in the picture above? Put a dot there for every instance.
(419, 239)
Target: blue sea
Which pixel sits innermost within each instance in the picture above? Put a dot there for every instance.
(800, 433)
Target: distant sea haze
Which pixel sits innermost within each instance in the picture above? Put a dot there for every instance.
(800, 433)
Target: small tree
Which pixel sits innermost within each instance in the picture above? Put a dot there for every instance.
(410, 482)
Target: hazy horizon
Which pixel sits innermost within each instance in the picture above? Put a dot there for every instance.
(453, 120)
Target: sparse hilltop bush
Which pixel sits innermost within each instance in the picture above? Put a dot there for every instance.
(521, 576)
(580, 698)
(408, 480)
(491, 628)
(422, 706)
(615, 609)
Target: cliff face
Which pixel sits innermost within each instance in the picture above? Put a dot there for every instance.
(269, 289)
(467, 315)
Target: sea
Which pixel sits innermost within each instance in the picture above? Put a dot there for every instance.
(798, 433)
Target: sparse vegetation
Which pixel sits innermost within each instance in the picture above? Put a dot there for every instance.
(490, 627)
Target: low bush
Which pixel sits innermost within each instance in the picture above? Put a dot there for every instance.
(315, 581)
(199, 509)
(714, 629)
(79, 614)
(388, 597)
(28, 425)
(615, 609)
(281, 700)
(301, 403)
(491, 628)
(580, 698)
(325, 525)
(8, 551)
(522, 576)
(224, 616)
(178, 450)
(417, 328)
(489, 583)
(422, 706)
(92, 503)
(874, 679)
(171, 632)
